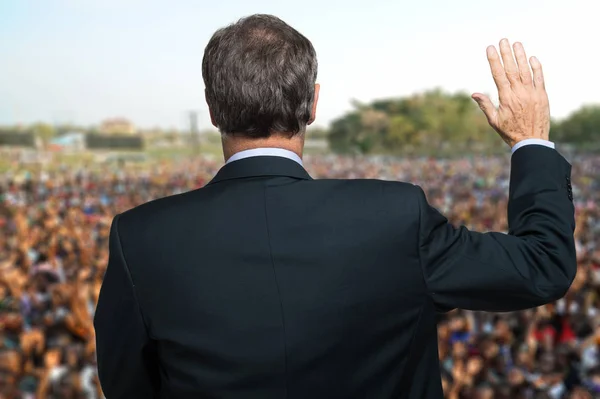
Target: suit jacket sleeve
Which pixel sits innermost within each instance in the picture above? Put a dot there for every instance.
(533, 264)
(127, 364)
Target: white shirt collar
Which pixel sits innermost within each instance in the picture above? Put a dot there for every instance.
(271, 152)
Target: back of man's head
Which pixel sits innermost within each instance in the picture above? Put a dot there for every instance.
(260, 76)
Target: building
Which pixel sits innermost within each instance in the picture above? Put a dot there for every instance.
(72, 141)
(117, 126)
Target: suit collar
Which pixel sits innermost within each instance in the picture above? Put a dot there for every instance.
(260, 166)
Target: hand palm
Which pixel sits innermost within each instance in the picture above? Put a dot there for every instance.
(524, 111)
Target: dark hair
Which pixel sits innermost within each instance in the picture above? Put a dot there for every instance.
(260, 76)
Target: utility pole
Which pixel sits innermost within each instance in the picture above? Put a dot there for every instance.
(194, 133)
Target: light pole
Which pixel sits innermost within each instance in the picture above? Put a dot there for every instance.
(194, 133)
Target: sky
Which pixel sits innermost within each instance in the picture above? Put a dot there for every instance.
(81, 61)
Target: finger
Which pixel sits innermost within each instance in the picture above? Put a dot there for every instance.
(510, 67)
(538, 74)
(488, 108)
(498, 73)
(524, 70)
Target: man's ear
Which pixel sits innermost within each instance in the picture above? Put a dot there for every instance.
(313, 112)
(212, 118)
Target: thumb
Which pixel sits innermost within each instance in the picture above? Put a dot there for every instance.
(487, 107)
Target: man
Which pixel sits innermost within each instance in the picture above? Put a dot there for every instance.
(269, 284)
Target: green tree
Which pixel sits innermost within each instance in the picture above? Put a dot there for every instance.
(344, 131)
(45, 132)
(402, 132)
(317, 132)
(581, 127)
(432, 119)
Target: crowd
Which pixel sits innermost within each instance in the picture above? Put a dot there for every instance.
(54, 228)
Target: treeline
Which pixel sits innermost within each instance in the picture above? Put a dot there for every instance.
(582, 127)
(434, 122)
(438, 121)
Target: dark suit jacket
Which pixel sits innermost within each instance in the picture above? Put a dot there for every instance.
(269, 284)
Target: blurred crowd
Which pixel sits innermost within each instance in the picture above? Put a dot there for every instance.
(54, 228)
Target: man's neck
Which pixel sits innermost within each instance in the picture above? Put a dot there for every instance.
(233, 145)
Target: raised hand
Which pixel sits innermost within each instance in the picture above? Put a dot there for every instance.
(524, 111)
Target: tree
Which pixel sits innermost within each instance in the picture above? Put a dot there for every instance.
(317, 132)
(344, 132)
(581, 127)
(431, 119)
(45, 132)
(402, 131)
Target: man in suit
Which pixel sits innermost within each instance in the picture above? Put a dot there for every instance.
(269, 284)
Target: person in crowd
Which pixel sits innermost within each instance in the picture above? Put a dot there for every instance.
(54, 228)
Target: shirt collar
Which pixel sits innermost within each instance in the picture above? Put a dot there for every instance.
(273, 152)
